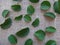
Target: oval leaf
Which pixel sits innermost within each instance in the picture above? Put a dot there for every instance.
(35, 22)
(27, 18)
(7, 24)
(12, 39)
(23, 32)
(50, 29)
(29, 42)
(18, 17)
(34, 1)
(5, 13)
(40, 34)
(56, 7)
(50, 15)
(30, 9)
(45, 5)
(51, 42)
(16, 7)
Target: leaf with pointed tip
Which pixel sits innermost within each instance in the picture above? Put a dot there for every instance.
(34, 1)
(7, 24)
(30, 9)
(18, 17)
(23, 32)
(45, 5)
(40, 34)
(27, 18)
(51, 42)
(50, 29)
(16, 7)
(29, 42)
(50, 15)
(35, 22)
(12, 39)
(5, 13)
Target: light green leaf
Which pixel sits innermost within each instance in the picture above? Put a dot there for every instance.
(51, 42)
(27, 18)
(30, 10)
(18, 17)
(7, 24)
(45, 5)
(5, 13)
(35, 22)
(40, 34)
(16, 7)
(50, 15)
(50, 29)
(34, 1)
(12, 39)
(23, 32)
(29, 42)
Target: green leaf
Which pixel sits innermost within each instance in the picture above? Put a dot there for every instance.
(45, 5)
(30, 9)
(18, 17)
(27, 18)
(50, 29)
(5, 13)
(16, 7)
(29, 42)
(12, 39)
(23, 32)
(51, 42)
(34, 1)
(7, 24)
(40, 34)
(56, 7)
(35, 22)
(50, 15)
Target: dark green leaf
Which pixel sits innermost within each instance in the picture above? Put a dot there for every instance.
(45, 5)
(50, 29)
(35, 22)
(30, 9)
(7, 24)
(16, 7)
(5, 13)
(29, 42)
(51, 42)
(34, 1)
(50, 15)
(18, 17)
(56, 7)
(23, 32)
(12, 39)
(40, 34)
(27, 18)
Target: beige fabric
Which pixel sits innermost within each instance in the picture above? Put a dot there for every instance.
(16, 26)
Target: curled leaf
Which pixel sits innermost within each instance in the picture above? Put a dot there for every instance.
(5, 13)
(18, 17)
(27, 18)
(30, 9)
(40, 34)
(16, 7)
(23, 32)
(12, 39)
(45, 5)
(50, 15)
(29, 42)
(7, 24)
(51, 42)
(50, 29)
(35, 22)
(34, 1)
